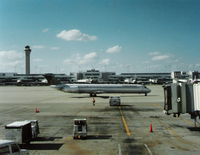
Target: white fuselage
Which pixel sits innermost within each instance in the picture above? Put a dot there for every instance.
(103, 88)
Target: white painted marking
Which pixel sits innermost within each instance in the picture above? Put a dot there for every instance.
(150, 153)
(119, 147)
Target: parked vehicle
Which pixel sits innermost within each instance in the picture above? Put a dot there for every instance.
(22, 131)
(80, 128)
(9, 147)
(35, 128)
(115, 101)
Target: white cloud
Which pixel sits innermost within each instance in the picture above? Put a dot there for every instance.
(105, 62)
(160, 57)
(114, 49)
(9, 60)
(81, 60)
(45, 30)
(38, 46)
(90, 56)
(75, 35)
(55, 48)
(42, 47)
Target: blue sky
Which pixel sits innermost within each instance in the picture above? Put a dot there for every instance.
(109, 35)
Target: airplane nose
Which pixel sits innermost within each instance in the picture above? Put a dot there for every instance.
(148, 90)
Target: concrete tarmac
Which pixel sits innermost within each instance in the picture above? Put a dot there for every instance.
(111, 130)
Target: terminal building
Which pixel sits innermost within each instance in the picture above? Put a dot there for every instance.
(111, 77)
(146, 78)
(97, 76)
(91, 76)
(33, 79)
(22, 79)
(191, 76)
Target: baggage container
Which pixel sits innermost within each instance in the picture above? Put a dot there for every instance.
(115, 101)
(35, 128)
(19, 131)
(80, 128)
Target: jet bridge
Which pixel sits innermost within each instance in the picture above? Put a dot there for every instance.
(181, 98)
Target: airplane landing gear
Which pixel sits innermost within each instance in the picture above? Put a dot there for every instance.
(93, 95)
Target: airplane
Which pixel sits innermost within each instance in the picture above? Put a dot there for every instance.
(94, 89)
(130, 80)
(84, 81)
(30, 80)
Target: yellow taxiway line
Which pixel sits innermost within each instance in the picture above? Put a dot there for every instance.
(128, 132)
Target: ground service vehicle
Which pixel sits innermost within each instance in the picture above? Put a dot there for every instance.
(80, 128)
(115, 101)
(9, 147)
(22, 131)
(35, 128)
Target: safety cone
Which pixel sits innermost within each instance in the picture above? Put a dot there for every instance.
(150, 128)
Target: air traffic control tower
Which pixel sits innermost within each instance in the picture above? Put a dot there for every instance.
(27, 51)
